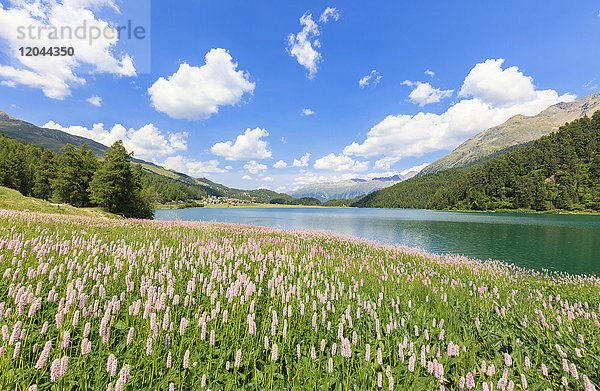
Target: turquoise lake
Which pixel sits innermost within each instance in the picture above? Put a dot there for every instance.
(569, 243)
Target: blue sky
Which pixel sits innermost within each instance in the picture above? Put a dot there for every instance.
(440, 73)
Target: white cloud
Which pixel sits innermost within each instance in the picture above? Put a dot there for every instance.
(247, 146)
(307, 112)
(267, 179)
(330, 12)
(484, 106)
(498, 87)
(308, 179)
(303, 46)
(280, 164)
(429, 73)
(247, 177)
(424, 94)
(146, 142)
(417, 169)
(254, 167)
(95, 100)
(372, 79)
(303, 162)
(192, 167)
(56, 75)
(385, 163)
(197, 92)
(334, 162)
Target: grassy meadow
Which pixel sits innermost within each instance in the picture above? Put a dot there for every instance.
(13, 199)
(114, 304)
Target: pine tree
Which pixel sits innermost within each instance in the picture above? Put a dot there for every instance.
(66, 184)
(116, 186)
(88, 164)
(44, 174)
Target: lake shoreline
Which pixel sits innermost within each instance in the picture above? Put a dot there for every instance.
(281, 206)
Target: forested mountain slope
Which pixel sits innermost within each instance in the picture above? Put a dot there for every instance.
(517, 130)
(560, 171)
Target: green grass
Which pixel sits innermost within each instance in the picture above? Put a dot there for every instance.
(190, 294)
(12, 199)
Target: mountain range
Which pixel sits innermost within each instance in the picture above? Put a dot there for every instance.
(517, 131)
(55, 140)
(350, 188)
(468, 177)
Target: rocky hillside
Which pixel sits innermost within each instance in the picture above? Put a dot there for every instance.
(517, 130)
(349, 189)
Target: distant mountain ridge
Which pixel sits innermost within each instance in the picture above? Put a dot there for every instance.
(52, 139)
(349, 189)
(518, 130)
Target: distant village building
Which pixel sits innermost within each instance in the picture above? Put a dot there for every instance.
(212, 200)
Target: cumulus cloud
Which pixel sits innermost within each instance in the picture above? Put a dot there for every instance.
(372, 79)
(416, 168)
(197, 92)
(253, 167)
(429, 73)
(424, 94)
(491, 95)
(95, 100)
(147, 142)
(303, 46)
(192, 167)
(307, 112)
(334, 162)
(303, 161)
(247, 177)
(498, 87)
(56, 75)
(246, 146)
(280, 164)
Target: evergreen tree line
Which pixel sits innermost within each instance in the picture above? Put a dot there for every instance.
(169, 189)
(414, 193)
(560, 171)
(306, 201)
(77, 177)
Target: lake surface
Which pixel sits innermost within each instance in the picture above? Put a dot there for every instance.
(568, 243)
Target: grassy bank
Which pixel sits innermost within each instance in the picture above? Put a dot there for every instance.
(546, 212)
(12, 199)
(92, 303)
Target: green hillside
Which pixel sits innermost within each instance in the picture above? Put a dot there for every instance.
(52, 139)
(171, 185)
(516, 131)
(14, 200)
(414, 193)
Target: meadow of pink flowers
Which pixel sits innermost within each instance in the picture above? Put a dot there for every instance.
(91, 303)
